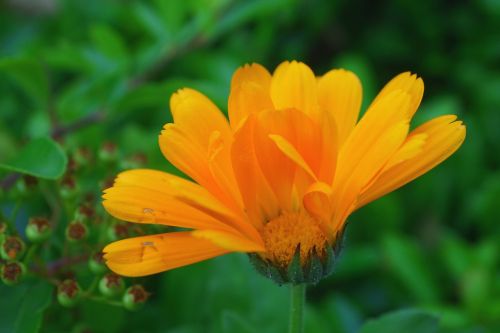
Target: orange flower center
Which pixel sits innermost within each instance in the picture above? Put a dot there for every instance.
(283, 234)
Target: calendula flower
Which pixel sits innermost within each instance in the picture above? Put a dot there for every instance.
(281, 177)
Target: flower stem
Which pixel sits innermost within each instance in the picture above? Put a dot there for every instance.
(297, 302)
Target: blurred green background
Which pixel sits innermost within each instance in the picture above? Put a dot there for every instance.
(88, 72)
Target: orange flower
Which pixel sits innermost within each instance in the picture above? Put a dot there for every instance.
(279, 180)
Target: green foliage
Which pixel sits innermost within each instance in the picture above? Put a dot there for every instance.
(77, 75)
(410, 321)
(41, 158)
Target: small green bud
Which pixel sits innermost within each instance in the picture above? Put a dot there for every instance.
(38, 229)
(96, 263)
(26, 184)
(82, 157)
(135, 297)
(68, 293)
(108, 152)
(68, 187)
(111, 285)
(12, 248)
(3, 228)
(76, 231)
(135, 161)
(84, 212)
(117, 231)
(12, 272)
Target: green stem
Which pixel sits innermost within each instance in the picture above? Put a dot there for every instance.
(297, 302)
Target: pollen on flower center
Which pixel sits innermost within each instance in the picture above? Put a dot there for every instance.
(284, 233)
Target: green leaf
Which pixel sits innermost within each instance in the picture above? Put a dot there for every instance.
(408, 321)
(233, 322)
(409, 264)
(22, 307)
(29, 75)
(42, 158)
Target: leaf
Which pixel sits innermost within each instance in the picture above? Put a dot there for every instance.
(42, 158)
(22, 307)
(29, 75)
(408, 321)
(233, 322)
(410, 265)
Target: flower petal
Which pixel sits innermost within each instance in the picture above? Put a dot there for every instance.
(148, 255)
(340, 94)
(293, 86)
(199, 145)
(443, 137)
(230, 241)
(409, 83)
(150, 196)
(259, 199)
(373, 141)
(255, 73)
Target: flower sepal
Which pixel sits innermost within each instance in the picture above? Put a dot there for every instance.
(316, 268)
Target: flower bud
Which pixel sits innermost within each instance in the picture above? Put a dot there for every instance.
(117, 231)
(38, 229)
(68, 293)
(96, 263)
(26, 184)
(3, 228)
(135, 161)
(84, 212)
(135, 297)
(108, 152)
(111, 285)
(82, 157)
(12, 248)
(76, 231)
(68, 187)
(12, 272)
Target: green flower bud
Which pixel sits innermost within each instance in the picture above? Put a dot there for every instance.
(135, 297)
(96, 263)
(82, 157)
(111, 285)
(12, 248)
(76, 231)
(134, 161)
(117, 231)
(68, 293)
(108, 152)
(68, 187)
(84, 212)
(12, 272)
(38, 229)
(3, 228)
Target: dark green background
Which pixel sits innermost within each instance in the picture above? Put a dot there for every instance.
(433, 245)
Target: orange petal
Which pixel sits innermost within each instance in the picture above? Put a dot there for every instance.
(150, 196)
(304, 142)
(148, 255)
(259, 199)
(293, 86)
(198, 116)
(209, 167)
(289, 150)
(251, 73)
(443, 137)
(246, 99)
(340, 95)
(373, 141)
(317, 201)
(199, 144)
(409, 83)
(230, 241)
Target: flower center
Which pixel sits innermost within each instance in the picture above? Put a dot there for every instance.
(283, 234)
